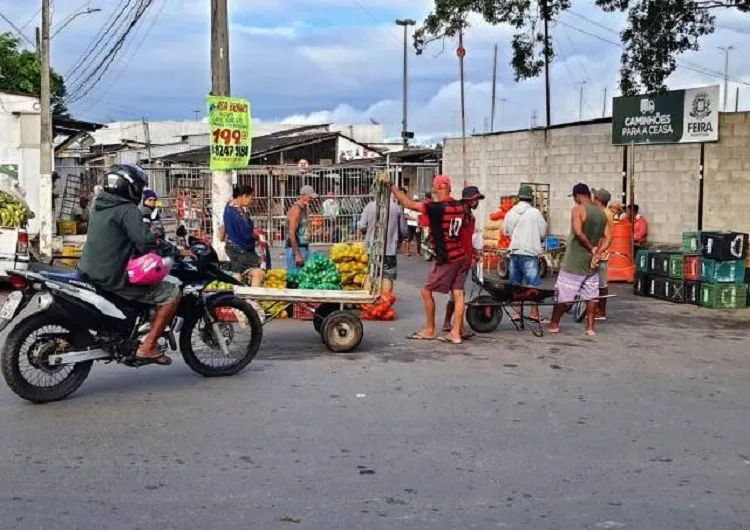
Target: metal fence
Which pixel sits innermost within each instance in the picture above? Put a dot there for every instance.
(343, 192)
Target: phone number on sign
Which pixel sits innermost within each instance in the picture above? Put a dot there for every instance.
(230, 151)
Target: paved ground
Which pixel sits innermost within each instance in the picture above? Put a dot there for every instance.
(644, 427)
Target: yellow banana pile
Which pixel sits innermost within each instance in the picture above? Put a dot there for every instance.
(13, 213)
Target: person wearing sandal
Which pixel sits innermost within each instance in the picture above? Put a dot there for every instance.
(473, 249)
(579, 273)
(527, 229)
(449, 270)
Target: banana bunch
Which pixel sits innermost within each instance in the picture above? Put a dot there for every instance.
(13, 213)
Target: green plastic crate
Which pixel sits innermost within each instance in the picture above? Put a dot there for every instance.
(713, 271)
(676, 266)
(723, 296)
(691, 242)
(642, 265)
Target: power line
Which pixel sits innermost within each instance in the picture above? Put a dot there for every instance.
(697, 69)
(576, 53)
(376, 19)
(18, 31)
(103, 66)
(92, 45)
(132, 55)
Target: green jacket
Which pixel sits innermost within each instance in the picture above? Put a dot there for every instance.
(116, 233)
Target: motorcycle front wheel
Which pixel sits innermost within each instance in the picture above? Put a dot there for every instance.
(24, 360)
(239, 327)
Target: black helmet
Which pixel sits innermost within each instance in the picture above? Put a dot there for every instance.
(126, 181)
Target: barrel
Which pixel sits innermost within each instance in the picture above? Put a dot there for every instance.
(621, 267)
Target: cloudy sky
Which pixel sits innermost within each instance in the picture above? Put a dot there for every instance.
(306, 61)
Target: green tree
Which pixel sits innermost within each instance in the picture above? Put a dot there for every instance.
(657, 32)
(20, 71)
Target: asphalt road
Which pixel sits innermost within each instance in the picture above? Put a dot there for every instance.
(644, 427)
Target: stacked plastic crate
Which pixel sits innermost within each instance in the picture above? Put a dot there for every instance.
(722, 270)
(709, 270)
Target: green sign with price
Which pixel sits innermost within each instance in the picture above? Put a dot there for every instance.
(231, 132)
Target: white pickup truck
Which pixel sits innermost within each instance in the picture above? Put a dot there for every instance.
(14, 241)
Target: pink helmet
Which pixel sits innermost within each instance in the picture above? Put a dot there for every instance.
(148, 269)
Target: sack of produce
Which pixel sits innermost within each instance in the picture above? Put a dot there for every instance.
(319, 273)
(275, 279)
(382, 310)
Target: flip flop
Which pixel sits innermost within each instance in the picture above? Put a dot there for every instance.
(540, 320)
(447, 329)
(448, 340)
(418, 336)
(553, 331)
(468, 335)
(161, 360)
(590, 333)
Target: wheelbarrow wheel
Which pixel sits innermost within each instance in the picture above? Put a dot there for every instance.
(483, 315)
(320, 314)
(579, 310)
(342, 331)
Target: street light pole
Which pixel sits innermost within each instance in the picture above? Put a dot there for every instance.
(72, 17)
(46, 204)
(404, 122)
(726, 51)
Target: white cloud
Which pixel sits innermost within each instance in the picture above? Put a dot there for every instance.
(340, 60)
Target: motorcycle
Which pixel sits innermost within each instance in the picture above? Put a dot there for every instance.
(49, 353)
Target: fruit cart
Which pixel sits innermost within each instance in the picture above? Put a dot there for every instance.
(339, 326)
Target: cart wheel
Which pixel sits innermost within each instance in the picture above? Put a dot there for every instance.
(543, 267)
(342, 331)
(482, 315)
(579, 310)
(503, 267)
(320, 314)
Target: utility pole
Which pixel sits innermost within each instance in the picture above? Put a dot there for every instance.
(461, 52)
(46, 204)
(604, 107)
(404, 121)
(502, 109)
(545, 13)
(38, 41)
(580, 101)
(147, 134)
(221, 181)
(494, 91)
(726, 51)
(737, 100)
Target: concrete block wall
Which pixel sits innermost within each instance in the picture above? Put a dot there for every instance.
(727, 176)
(666, 189)
(666, 176)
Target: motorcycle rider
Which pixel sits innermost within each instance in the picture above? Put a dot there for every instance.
(117, 233)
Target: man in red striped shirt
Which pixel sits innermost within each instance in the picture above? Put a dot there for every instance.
(471, 197)
(449, 270)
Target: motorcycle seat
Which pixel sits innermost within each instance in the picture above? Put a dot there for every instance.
(60, 276)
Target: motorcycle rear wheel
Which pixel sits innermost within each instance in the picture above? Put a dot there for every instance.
(251, 318)
(12, 355)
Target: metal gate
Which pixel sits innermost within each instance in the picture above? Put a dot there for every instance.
(343, 192)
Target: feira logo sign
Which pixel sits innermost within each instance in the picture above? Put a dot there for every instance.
(701, 109)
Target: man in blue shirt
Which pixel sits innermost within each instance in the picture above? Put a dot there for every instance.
(241, 237)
